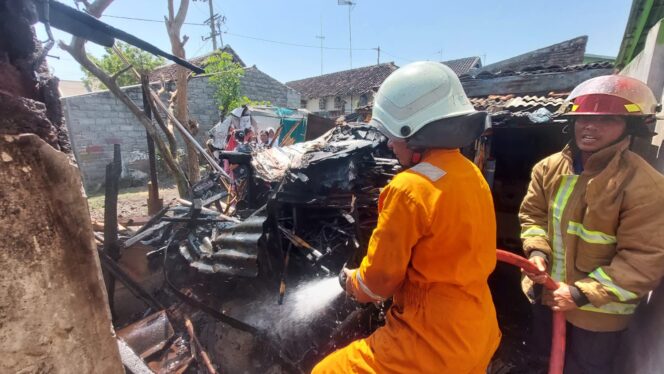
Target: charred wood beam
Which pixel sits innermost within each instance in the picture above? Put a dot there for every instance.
(154, 202)
(111, 244)
(154, 219)
(136, 289)
(88, 27)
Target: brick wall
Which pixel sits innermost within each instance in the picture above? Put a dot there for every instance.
(98, 120)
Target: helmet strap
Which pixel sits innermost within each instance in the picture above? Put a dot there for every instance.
(416, 158)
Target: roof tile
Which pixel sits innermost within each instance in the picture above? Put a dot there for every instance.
(343, 83)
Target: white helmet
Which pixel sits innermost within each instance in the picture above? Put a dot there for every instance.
(423, 93)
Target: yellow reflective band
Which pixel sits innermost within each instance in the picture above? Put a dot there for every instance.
(567, 184)
(590, 236)
(632, 108)
(606, 281)
(533, 230)
(365, 288)
(575, 107)
(611, 308)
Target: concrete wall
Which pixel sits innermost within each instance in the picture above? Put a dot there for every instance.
(647, 66)
(98, 120)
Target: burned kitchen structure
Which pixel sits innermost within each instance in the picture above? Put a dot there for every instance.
(312, 211)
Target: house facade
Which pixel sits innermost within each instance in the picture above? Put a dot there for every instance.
(340, 93)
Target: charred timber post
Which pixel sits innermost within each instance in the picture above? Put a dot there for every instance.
(154, 202)
(111, 245)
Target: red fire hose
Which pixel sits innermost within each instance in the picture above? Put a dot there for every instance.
(557, 357)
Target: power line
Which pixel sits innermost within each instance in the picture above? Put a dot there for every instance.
(150, 20)
(295, 44)
(205, 43)
(397, 57)
(259, 38)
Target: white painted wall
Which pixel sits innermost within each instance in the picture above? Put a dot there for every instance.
(648, 66)
(313, 104)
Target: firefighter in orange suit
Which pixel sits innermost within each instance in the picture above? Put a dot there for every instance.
(434, 244)
(594, 218)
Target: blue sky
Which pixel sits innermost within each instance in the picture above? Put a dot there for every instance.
(404, 30)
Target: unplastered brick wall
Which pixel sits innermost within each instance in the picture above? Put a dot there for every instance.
(98, 120)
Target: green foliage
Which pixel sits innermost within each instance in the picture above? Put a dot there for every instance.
(111, 63)
(225, 75)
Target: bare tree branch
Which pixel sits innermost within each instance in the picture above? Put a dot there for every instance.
(179, 100)
(118, 73)
(182, 13)
(76, 49)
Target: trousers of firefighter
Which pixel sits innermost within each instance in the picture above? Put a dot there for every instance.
(238, 134)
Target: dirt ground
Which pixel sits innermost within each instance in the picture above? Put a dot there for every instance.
(132, 202)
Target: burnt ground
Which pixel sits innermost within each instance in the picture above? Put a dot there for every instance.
(132, 202)
(236, 349)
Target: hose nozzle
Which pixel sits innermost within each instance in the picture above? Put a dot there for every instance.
(343, 277)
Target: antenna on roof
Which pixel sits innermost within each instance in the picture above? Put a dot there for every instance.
(350, 4)
(321, 37)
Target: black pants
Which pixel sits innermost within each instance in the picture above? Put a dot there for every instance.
(586, 352)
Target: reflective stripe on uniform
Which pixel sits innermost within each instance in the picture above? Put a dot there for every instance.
(590, 236)
(533, 230)
(366, 289)
(611, 308)
(567, 184)
(606, 281)
(428, 170)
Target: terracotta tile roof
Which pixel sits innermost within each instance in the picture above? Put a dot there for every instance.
(343, 83)
(167, 72)
(511, 103)
(463, 66)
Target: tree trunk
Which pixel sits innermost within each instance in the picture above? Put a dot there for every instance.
(76, 49)
(174, 24)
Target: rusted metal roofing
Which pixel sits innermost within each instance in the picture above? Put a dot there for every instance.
(343, 83)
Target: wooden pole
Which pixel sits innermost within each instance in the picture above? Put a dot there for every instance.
(111, 244)
(154, 202)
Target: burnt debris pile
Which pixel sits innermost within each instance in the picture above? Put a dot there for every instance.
(260, 253)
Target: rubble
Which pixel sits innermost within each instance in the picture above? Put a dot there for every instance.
(234, 257)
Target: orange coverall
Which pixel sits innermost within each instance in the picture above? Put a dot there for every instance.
(433, 250)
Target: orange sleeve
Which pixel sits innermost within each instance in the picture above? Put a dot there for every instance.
(401, 223)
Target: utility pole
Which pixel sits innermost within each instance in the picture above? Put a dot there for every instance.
(215, 22)
(213, 32)
(350, 4)
(377, 49)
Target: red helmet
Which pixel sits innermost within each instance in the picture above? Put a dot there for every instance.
(613, 95)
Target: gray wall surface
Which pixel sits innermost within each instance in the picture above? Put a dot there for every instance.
(98, 120)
